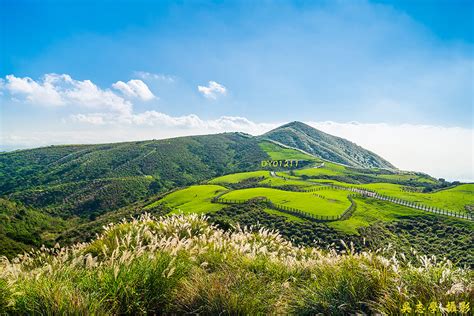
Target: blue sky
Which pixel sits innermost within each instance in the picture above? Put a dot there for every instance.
(95, 71)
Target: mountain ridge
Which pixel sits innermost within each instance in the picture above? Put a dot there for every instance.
(301, 136)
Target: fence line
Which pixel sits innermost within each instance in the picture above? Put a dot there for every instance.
(348, 212)
(376, 195)
(292, 210)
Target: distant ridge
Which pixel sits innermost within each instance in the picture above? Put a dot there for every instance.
(308, 139)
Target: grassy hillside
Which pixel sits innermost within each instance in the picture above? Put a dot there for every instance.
(195, 199)
(22, 228)
(358, 225)
(97, 178)
(67, 193)
(180, 265)
(241, 176)
(327, 203)
(277, 152)
(335, 149)
(457, 198)
(61, 187)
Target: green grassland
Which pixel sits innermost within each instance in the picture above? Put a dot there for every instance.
(333, 204)
(288, 217)
(194, 199)
(355, 175)
(370, 211)
(277, 152)
(453, 199)
(241, 176)
(265, 177)
(315, 171)
(279, 182)
(326, 201)
(67, 193)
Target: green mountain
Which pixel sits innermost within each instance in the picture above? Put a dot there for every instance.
(67, 193)
(87, 180)
(304, 137)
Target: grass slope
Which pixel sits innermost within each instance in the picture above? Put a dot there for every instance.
(155, 166)
(196, 199)
(370, 211)
(241, 176)
(328, 147)
(180, 265)
(333, 203)
(454, 199)
(277, 152)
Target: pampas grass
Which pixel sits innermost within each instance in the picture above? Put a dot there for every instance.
(183, 264)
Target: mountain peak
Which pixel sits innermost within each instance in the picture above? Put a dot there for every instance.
(295, 124)
(332, 148)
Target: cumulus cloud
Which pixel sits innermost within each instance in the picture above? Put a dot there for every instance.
(63, 90)
(191, 123)
(43, 93)
(213, 90)
(134, 88)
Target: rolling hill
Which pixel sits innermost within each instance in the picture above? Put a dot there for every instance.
(304, 137)
(67, 193)
(91, 179)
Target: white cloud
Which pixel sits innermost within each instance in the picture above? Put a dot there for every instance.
(148, 75)
(95, 119)
(134, 88)
(43, 93)
(213, 90)
(62, 90)
(445, 152)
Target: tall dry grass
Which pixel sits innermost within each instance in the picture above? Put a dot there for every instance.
(182, 264)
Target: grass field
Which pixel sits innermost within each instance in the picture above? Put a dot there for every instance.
(277, 182)
(319, 171)
(405, 177)
(241, 176)
(370, 211)
(289, 217)
(326, 202)
(335, 170)
(454, 199)
(334, 202)
(280, 153)
(194, 199)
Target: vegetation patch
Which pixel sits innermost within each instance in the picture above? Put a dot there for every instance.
(182, 264)
(195, 199)
(333, 203)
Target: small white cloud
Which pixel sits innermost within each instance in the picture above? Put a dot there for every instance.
(213, 90)
(95, 119)
(148, 75)
(134, 88)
